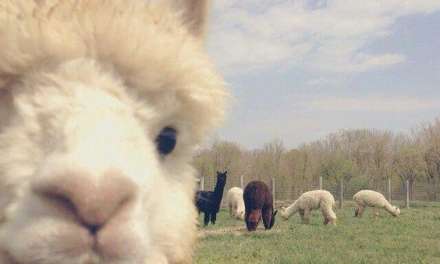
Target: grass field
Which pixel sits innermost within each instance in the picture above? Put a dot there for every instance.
(412, 238)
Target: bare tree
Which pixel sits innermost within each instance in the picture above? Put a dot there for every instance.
(430, 137)
(365, 158)
(408, 161)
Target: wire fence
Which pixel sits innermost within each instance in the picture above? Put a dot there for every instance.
(402, 193)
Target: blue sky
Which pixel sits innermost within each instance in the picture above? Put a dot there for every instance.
(301, 69)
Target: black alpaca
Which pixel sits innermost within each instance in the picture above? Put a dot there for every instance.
(208, 202)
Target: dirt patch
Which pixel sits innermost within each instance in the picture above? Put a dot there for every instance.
(235, 230)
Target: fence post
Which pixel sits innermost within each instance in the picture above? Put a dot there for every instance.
(202, 183)
(389, 189)
(341, 193)
(320, 182)
(273, 189)
(241, 181)
(407, 194)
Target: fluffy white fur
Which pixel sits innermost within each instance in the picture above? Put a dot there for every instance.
(369, 198)
(235, 202)
(85, 88)
(312, 200)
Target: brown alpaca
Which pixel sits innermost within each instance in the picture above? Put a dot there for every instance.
(258, 203)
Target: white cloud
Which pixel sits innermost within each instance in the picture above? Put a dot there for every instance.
(367, 61)
(329, 81)
(374, 104)
(329, 36)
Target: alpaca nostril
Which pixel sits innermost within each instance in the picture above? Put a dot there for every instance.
(93, 229)
(59, 199)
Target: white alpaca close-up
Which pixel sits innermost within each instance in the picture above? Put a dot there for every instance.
(312, 200)
(102, 103)
(235, 201)
(369, 198)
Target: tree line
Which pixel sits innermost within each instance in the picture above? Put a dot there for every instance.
(360, 158)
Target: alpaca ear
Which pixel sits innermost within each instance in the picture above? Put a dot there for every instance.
(195, 15)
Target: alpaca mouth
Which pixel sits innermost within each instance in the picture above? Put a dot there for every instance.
(87, 258)
(77, 245)
(252, 226)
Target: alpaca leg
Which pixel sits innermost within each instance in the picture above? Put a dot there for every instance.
(301, 213)
(361, 211)
(306, 216)
(376, 212)
(206, 219)
(213, 218)
(230, 211)
(325, 215)
(356, 212)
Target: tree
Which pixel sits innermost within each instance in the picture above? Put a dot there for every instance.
(408, 161)
(429, 135)
(338, 167)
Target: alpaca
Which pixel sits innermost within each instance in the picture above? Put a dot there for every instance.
(235, 203)
(209, 202)
(258, 203)
(102, 104)
(369, 198)
(312, 200)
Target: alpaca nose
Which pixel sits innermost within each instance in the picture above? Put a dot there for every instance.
(93, 200)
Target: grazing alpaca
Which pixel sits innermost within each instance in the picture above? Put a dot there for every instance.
(235, 203)
(101, 104)
(209, 202)
(258, 204)
(369, 198)
(312, 200)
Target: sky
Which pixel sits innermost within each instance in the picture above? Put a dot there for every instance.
(301, 69)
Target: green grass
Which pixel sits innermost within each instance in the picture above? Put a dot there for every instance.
(412, 238)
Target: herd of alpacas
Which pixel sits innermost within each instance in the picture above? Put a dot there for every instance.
(102, 103)
(255, 203)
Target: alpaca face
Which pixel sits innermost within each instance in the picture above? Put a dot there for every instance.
(397, 211)
(95, 184)
(269, 218)
(221, 177)
(272, 220)
(240, 214)
(253, 219)
(283, 213)
(95, 165)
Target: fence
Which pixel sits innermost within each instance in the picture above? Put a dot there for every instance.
(396, 191)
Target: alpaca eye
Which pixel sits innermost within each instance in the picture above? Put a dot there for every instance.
(166, 140)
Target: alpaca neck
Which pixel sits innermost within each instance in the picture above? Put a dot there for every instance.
(218, 190)
(292, 209)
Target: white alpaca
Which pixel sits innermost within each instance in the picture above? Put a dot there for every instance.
(236, 202)
(312, 200)
(101, 104)
(368, 198)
